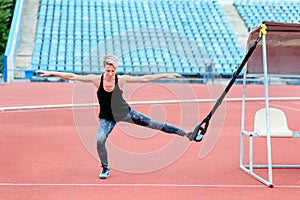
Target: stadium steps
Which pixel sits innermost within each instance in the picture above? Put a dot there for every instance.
(237, 23)
(27, 37)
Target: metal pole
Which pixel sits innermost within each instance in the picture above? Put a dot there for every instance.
(269, 149)
(242, 138)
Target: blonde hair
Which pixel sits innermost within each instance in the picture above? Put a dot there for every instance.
(110, 59)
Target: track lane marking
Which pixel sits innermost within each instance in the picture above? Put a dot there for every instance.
(138, 185)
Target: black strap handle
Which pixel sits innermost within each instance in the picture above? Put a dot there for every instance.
(201, 129)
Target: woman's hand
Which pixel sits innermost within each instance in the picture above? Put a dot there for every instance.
(173, 75)
(43, 73)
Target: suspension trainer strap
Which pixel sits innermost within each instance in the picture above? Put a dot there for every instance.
(201, 129)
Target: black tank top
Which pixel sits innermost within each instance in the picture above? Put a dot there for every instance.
(113, 107)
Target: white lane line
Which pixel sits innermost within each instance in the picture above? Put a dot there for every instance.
(286, 107)
(14, 108)
(138, 185)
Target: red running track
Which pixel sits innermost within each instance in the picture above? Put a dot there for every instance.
(49, 154)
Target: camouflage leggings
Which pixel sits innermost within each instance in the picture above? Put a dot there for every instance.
(105, 127)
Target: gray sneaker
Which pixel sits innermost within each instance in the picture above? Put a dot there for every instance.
(105, 173)
(193, 136)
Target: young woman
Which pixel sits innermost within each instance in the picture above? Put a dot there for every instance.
(113, 107)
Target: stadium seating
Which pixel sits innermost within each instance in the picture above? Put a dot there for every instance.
(254, 12)
(148, 36)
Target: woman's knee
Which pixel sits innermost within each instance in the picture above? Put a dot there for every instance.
(101, 139)
(139, 118)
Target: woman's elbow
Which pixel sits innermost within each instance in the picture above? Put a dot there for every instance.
(72, 77)
(145, 80)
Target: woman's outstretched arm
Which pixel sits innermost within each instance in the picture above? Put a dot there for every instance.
(71, 76)
(149, 78)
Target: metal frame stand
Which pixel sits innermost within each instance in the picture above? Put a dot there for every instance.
(249, 169)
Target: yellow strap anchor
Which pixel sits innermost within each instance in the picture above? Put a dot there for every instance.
(263, 30)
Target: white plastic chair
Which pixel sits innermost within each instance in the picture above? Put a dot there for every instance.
(278, 123)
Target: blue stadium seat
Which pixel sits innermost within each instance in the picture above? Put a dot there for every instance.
(254, 12)
(159, 33)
